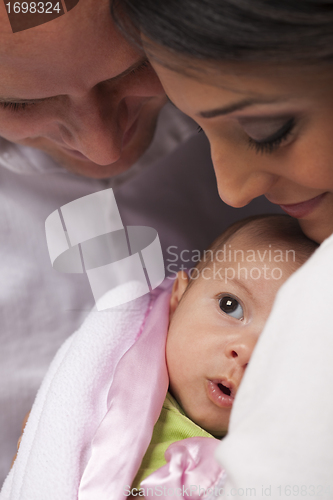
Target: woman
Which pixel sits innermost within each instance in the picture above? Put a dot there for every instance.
(257, 77)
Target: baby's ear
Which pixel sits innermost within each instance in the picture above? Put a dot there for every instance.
(178, 290)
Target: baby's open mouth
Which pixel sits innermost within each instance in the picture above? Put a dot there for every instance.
(224, 389)
(221, 392)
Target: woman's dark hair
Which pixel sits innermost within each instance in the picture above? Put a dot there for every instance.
(234, 30)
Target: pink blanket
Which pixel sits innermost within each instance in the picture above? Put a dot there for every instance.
(93, 417)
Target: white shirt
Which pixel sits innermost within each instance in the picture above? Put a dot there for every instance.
(175, 193)
(280, 440)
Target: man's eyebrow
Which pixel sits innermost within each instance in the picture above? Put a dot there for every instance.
(237, 106)
(127, 71)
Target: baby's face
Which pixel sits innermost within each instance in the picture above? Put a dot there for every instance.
(215, 327)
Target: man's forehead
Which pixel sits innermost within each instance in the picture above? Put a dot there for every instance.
(84, 14)
(79, 49)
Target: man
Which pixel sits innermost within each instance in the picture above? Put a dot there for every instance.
(78, 106)
(75, 89)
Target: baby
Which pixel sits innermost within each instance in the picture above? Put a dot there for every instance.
(99, 419)
(216, 318)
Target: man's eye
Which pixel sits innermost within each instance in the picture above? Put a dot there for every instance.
(230, 305)
(15, 106)
(145, 64)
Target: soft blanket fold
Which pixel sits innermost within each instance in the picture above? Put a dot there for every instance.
(58, 442)
(95, 412)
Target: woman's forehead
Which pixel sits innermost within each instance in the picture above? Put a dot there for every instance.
(240, 77)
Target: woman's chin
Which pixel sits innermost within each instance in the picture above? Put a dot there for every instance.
(318, 225)
(317, 230)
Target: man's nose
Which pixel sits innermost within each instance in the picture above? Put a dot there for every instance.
(239, 180)
(100, 122)
(240, 349)
(95, 130)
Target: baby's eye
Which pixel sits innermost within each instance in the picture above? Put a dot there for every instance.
(231, 306)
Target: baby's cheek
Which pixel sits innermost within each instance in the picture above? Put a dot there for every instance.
(174, 353)
(177, 379)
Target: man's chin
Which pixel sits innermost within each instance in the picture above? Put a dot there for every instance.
(130, 154)
(87, 168)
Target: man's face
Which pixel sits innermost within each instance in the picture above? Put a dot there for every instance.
(76, 89)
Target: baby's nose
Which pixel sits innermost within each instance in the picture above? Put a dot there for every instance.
(240, 350)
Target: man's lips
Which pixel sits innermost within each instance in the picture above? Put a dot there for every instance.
(76, 154)
(300, 210)
(129, 133)
(221, 392)
(125, 140)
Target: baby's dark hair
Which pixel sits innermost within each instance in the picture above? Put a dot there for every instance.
(263, 230)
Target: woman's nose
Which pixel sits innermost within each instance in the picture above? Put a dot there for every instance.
(240, 350)
(239, 180)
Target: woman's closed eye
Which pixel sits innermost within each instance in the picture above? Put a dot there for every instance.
(231, 306)
(265, 136)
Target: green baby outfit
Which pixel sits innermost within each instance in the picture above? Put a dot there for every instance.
(172, 425)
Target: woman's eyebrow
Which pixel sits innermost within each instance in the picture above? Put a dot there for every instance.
(236, 107)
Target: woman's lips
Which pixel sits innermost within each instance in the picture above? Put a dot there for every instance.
(300, 210)
(218, 392)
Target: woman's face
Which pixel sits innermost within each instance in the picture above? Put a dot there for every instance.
(271, 133)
